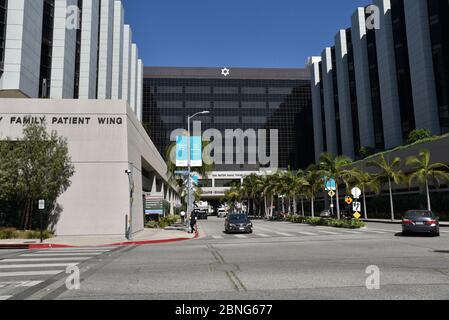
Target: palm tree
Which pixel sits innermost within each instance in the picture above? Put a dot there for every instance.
(422, 171)
(299, 187)
(315, 185)
(269, 190)
(387, 174)
(335, 168)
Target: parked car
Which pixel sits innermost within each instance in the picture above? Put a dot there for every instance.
(326, 214)
(420, 221)
(201, 214)
(238, 223)
(221, 213)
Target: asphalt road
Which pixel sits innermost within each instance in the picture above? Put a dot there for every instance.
(279, 261)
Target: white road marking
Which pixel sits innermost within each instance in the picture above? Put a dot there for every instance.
(46, 259)
(352, 232)
(330, 232)
(59, 254)
(376, 232)
(307, 233)
(30, 273)
(37, 265)
(263, 229)
(217, 237)
(284, 234)
(262, 235)
(72, 251)
(240, 236)
(5, 297)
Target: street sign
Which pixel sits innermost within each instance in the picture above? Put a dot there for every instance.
(331, 194)
(356, 206)
(356, 192)
(182, 173)
(330, 185)
(348, 200)
(41, 204)
(357, 215)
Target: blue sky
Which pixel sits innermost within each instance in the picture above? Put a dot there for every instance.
(235, 33)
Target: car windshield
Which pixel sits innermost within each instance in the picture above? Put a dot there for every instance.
(238, 218)
(419, 214)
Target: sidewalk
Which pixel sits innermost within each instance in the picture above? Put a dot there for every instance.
(146, 236)
(388, 221)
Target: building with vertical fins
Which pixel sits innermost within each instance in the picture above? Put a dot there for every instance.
(383, 77)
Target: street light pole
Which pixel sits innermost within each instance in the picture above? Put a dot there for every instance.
(189, 181)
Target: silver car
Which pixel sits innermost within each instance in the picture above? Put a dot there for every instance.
(420, 221)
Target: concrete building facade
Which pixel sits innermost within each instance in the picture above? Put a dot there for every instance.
(400, 76)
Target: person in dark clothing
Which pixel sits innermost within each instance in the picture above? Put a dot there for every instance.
(193, 221)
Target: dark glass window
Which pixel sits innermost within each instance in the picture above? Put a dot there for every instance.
(353, 93)
(76, 89)
(375, 90)
(402, 68)
(336, 101)
(439, 26)
(3, 17)
(323, 117)
(98, 49)
(234, 104)
(46, 48)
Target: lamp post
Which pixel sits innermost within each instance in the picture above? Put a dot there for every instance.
(129, 230)
(189, 181)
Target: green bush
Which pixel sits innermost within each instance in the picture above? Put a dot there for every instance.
(353, 224)
(9, 233)
(151, 225)
(418, 135)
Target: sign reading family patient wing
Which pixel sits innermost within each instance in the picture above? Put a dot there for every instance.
(196, 151)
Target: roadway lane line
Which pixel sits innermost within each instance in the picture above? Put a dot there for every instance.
(46, 259)
(352, 232)
(37, 265)
(217, 237)
(240, 236)
(376, 232)
(59, 254)
(30, 273)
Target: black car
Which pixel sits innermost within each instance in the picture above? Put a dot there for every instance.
(238, 223)
(420, 221)
(201, 214)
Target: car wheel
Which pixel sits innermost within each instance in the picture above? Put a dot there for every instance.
(436, 234)
(405, 233)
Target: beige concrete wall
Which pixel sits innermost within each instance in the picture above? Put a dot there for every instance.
(98, 199)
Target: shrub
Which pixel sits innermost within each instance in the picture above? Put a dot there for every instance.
(418, 135)
(36, 234)
(353, 224)
(9, 233)
(151, 225)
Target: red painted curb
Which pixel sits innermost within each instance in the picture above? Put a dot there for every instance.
(34, 246)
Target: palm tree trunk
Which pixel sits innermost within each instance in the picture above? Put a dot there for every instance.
(365, 211)
(295, 208)
(266, 205)
(391, 199)
(429, 203)
(271, 205)
(302, 206)
(283, 205)
(313, 206)
(338, 204)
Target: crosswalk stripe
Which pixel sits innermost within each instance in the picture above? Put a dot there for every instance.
(72, 251)
(36, 265)
(377, 232)
(284, 234)
(58, 254)
(217, 237)
(5, 297)
(329, 232)
(240, 236)
(352, 232)
(262, 235)
(307, 233)
(30, 273)
(46, 259)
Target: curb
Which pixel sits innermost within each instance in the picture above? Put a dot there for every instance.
(35, 246)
